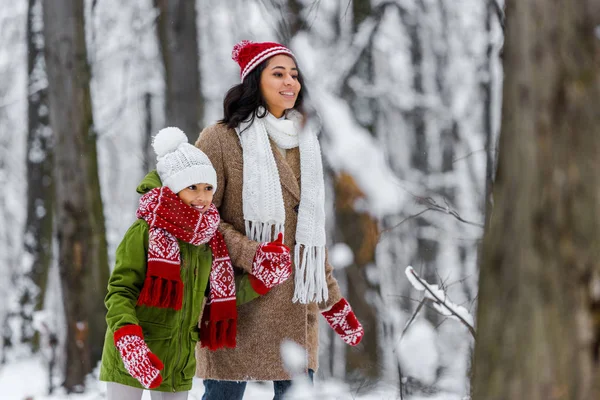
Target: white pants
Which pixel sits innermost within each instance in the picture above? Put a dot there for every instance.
(116, 391)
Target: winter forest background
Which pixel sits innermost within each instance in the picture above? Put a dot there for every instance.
(408, 93)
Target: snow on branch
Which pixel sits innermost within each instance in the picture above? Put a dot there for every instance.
(440, 300)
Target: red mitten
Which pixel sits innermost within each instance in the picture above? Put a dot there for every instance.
(272, 265)
(343, 321)
(137, 358)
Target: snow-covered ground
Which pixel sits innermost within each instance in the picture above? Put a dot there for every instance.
(28, 380)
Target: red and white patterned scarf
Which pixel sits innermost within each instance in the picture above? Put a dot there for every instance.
(170, 219)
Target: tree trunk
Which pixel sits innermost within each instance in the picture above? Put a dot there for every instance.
(361, 10)
(359, 231)
(40, 187)
(490, 136)
(539, 305)
(83, 260)
(178, 40)
(149, 158)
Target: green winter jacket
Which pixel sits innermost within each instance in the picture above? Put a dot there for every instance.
(171, 335)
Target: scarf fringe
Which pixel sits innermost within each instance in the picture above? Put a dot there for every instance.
(310, 280)
(263, 231)
(217, 334)
(162, 293)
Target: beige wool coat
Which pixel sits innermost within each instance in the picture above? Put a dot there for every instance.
(264, 323)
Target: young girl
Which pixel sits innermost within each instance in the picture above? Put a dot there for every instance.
(169, 259)
(270, 176)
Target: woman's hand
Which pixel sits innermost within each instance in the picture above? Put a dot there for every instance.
(342, 320)
(272, 265)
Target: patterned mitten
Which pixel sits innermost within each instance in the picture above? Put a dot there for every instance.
(343, 321)
(137, 358)
(272, 265)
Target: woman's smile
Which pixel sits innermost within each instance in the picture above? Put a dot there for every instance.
(279, 84)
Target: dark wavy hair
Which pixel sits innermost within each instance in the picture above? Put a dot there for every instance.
(242, 101)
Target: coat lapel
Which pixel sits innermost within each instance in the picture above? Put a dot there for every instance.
(289, 171)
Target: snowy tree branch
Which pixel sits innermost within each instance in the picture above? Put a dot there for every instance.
(440, 299)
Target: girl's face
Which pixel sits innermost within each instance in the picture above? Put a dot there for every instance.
(279, 84)
(198, 196)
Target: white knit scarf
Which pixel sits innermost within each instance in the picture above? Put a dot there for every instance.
(264, 211)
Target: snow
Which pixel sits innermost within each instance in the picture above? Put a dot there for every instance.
(340, 255)
(126, 66)
(294, 357)
(418, 352)
(28, 379)
(411, 278)
(356, 152)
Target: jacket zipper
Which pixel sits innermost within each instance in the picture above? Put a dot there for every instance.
(183, 266)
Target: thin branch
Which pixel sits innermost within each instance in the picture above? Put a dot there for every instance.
(500, 13)
(412, 318)
(441, 323)
(470, 154)
(433, 205)
(411, 299)
(403, 221)
(461, 280)
(442, 302)
(347, 8)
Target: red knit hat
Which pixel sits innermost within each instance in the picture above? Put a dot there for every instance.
(249, 55)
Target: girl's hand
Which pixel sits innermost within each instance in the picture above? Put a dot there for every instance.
(139, 361)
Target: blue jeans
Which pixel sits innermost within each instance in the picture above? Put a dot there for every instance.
(234, 390)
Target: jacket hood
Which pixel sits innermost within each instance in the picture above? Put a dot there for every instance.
(150, 181)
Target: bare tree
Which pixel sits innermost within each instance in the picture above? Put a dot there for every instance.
(40, 187)
(538, 314)
(358, 229)
(82, 258)
(178, 40)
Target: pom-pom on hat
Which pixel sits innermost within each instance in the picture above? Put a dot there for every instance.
(249, 55)
(179, 164)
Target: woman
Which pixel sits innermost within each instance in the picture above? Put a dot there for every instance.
(270, 173)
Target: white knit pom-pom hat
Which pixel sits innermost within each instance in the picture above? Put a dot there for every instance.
(179, 164)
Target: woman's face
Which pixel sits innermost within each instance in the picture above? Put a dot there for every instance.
(279, 84)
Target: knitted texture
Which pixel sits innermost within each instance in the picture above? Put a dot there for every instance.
(179, 164)
(263, 206)
(249, 55)
(170, 219)
(218, 327)
(278, 318)
(141, 364)
(342, 320)
(271, 266)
